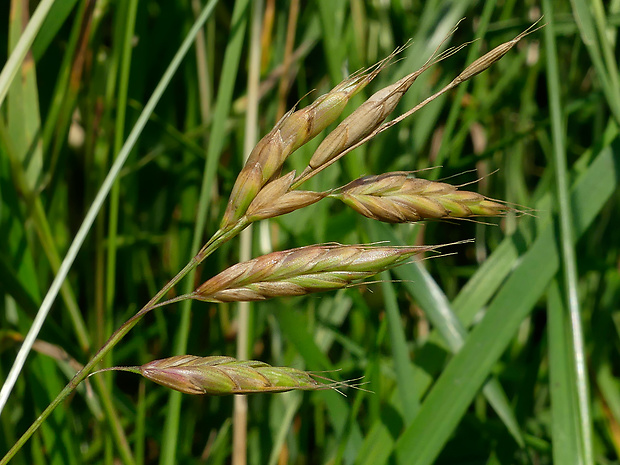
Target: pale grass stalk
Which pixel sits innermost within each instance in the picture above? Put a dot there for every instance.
(240, 405)
(291, 28)
(15, 59)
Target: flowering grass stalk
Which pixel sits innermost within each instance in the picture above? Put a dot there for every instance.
(260, 192)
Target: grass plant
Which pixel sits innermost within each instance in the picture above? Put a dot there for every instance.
(500, 352)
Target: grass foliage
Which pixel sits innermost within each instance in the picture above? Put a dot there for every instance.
(505, 352)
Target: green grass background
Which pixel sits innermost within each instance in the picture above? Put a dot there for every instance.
(504, 353)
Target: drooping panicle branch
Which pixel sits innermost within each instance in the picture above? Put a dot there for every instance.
(470, 71)
(367, 117)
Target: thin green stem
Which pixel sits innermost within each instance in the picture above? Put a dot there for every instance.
(128, 27)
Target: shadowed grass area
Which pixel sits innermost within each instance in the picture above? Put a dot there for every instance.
(504, 352)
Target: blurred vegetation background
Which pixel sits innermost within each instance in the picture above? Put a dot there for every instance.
(504, 353)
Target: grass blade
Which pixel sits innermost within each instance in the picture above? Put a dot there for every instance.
(420, 285)
(587, 28)
(404, 373)
(567, 443)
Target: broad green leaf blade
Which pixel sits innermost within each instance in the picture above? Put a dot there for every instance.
(493, 272)
(49, 29)
(11, 285)
(12, 65)
(377, 446)
(567, 445)
(587, 28)
(45, 381)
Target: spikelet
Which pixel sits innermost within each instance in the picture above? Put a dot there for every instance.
(220, 375)
(398, 198)
(367, 117)
(293, 130)
(494, 55)
(302, 271)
